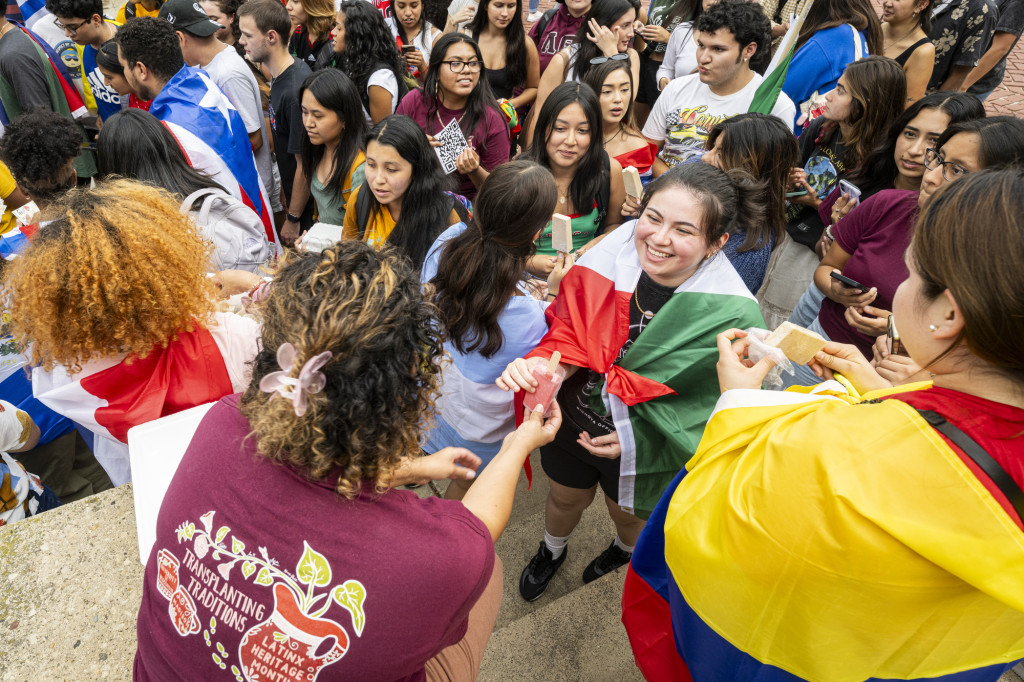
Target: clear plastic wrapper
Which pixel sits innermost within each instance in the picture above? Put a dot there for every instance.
(759, 349)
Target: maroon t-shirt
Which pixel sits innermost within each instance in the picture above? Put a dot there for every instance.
(258, 573)
(876, 234)
(559, 33)
(490, 139)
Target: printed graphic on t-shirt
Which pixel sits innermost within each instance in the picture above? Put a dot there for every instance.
(552, 43)
(208, 590)
(686, 131)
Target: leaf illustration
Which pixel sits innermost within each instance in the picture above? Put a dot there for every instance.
(237, 546)
(280, 637)
(207, 521)
(224, 530)
(248, 568)
(264, 578)
(313, 568)
(350, 596)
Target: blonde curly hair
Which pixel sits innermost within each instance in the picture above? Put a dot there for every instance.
(118, 270)
(367, 308)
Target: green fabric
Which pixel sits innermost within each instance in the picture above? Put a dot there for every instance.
(768, 92)
(584, 227)
(679, 349)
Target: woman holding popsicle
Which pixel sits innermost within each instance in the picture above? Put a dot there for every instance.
(567, 142)
(485, 309)
(634, 323)
(613, 83)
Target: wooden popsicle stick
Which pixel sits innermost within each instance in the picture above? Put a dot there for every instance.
(553, 362)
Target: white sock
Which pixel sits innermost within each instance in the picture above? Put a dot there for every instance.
(555, 545)
(628, 549)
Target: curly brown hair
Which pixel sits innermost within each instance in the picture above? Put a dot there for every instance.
(118, 270)
(367, 308)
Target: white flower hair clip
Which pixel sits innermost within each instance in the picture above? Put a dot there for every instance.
(310, 379)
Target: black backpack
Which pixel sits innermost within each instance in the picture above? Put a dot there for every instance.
(543, 22)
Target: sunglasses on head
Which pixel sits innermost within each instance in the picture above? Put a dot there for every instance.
(619, 56)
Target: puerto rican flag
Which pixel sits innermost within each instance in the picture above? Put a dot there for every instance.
(15, 241)
(213, 137)
(111, 395)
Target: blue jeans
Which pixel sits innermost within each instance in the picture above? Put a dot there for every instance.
(808, 307)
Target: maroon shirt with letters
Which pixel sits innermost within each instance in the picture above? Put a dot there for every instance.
(259, 573)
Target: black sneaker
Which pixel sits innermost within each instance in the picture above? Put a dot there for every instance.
(539, 571)
(606, 562)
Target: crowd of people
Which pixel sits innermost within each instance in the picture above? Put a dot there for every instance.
(607, 201)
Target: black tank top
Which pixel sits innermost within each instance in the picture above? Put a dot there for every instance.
(905, 55)
(498, 80)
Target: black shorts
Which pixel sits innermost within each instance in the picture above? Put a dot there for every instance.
(647, 91)
(566, 462)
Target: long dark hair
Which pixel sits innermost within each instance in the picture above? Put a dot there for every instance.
(401, 29)
(369, 46)
(684, 10)
(106, 57)
(135, 145)
(876, 85)
(515, 42)
(478, 100)
(604, 12)
(335, 91)
(425, 206)
(586, 183)
(831, 13)
(765, 147)
(599, 74)
(479, 269)
(878, 170)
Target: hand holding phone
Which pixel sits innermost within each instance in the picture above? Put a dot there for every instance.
(846, 281)
(861, 295)
(851, 190)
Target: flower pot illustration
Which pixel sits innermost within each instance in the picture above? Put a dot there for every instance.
(290, 644)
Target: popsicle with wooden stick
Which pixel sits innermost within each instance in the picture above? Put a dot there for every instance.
(631, 179)
(561, 233)
(549, 378)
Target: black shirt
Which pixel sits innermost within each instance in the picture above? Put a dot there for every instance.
(822, 156)
(316, 55)
(578, 389)
(286, 120)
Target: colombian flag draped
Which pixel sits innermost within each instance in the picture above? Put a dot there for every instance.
(815, 537)
(673, 360)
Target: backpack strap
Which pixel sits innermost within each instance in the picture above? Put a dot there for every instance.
(985, 461)
(191, 199)
(542, 23)
(362, 211)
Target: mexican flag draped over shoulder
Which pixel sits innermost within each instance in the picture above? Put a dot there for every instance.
(767, 92)
(662, 391)
(819, 537)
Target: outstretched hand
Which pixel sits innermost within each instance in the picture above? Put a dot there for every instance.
(735, 368)
(453, 463)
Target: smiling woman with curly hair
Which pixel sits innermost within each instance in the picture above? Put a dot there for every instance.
(114, 305)
(301, 471)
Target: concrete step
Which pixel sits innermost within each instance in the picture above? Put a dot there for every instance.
(575, 637)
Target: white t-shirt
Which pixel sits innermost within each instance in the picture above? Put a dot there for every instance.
(680, 53)
(687, 110)
(384, 78)
(232, 75)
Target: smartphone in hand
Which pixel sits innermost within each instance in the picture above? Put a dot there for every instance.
(850, 190)
(847, 282)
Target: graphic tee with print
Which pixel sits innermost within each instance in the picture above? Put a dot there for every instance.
(258, 573)
(687, 110)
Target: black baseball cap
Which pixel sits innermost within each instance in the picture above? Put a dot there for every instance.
(187, 15)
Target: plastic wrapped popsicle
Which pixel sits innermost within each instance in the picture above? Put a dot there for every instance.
(549, 378)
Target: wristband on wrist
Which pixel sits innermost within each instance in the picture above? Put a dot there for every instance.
(293, 218)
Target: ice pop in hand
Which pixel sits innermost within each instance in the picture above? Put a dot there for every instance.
(549, 378)
(631, 180)
(561, 233)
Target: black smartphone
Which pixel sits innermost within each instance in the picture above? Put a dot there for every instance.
(852, 283)
(893, 338)
(408, 48)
